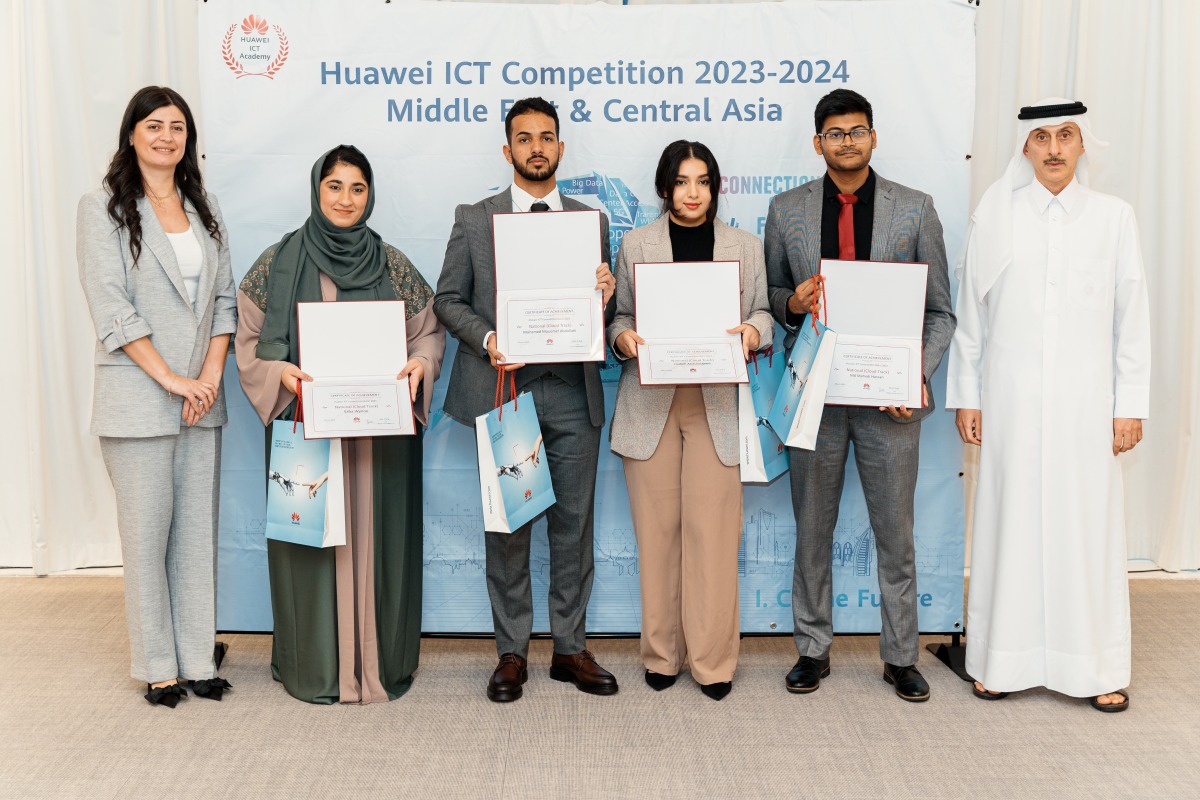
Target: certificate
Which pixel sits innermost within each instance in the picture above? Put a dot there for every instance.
(363, 407)
(878, 311)
(682, 312)
(697, 361)
(353, 351)
(555, 327)
(876, 373)
(547, 306)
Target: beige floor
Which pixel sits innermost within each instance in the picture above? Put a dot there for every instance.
(73, 725)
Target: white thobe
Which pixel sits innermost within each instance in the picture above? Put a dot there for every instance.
(1058, 347)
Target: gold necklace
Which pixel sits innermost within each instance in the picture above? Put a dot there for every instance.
(159, 200)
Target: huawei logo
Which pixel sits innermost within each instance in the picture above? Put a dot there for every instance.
(261, 49)
(253, 24)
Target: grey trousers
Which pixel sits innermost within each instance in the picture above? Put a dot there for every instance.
(167, 489)
(886, 453)
(572, 447)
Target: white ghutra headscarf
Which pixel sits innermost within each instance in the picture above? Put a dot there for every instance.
(991, 223)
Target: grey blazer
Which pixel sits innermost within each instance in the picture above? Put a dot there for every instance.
(641, 411)
(129, 302)
(905, 228)
(465, 302)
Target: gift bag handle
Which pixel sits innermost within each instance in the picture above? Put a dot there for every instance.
(299, 406)
(512, 391)
(824, 302)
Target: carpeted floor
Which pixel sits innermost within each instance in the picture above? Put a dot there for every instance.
(73, 723)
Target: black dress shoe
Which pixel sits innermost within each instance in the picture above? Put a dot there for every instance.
(582, 670)
(167, 696)
(806, 676)
(211, 689)
(909, 684)
(717, 691)
(658, 681)
(505, 683)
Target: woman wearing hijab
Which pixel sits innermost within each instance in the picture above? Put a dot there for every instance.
(154, 264)
(347, 619)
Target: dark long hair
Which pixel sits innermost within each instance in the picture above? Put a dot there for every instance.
(672, 159)
(124, 177)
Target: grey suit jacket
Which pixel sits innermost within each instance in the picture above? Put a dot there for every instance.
(129, 302)
(465, 302)
(906, 228)
(641, 411)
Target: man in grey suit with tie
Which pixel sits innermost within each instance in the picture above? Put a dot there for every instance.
(570, 405)
(853, 213)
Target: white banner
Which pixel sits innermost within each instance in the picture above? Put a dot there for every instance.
(422, 88)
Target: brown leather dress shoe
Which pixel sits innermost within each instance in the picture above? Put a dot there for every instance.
(582, 670)
(505, 683)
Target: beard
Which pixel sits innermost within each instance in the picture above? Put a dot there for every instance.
(537, 175)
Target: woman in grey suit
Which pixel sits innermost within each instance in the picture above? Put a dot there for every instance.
(679, 443)
(154, 263)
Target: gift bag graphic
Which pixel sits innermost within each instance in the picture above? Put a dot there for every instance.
(796, 413)
(763, 458)
(514, 476)
(306, 499)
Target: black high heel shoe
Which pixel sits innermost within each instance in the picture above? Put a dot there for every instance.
(657, 681)
(211, 689)
(219, 651)
(717, 691)
(167, 696)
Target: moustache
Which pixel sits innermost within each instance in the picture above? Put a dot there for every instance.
(1053, 162)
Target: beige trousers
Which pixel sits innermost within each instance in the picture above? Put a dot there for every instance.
(687, 516)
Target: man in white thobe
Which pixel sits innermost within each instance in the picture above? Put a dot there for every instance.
(1052, 351)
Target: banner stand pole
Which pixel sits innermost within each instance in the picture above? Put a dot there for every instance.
(953, 655)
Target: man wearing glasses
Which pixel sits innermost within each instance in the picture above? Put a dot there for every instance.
(853, 213)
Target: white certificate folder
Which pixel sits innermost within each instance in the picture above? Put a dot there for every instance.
(353, 350)
(878, 311)
(683, 311)
(547, 307)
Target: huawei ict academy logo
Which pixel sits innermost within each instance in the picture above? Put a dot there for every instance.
(259, 49)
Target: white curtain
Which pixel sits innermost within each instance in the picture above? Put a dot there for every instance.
(70, 67)
(1135, 66)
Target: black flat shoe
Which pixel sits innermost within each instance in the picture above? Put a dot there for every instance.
(211, 689)
(658, 681)
(717, 691)
(219, 651)
(167, 696)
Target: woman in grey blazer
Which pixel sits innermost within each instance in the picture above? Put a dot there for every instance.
(679, 443)
(154, 263)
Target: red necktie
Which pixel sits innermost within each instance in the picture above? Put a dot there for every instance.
(846, 226)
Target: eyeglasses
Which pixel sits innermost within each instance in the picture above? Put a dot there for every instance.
(837, 137)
